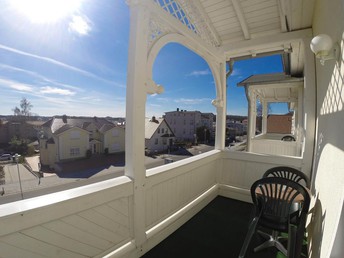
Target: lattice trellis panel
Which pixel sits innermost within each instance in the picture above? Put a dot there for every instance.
(188, 14)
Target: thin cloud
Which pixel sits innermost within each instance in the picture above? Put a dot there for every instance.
(191, 101)
(59, 91)
(58, 63)
(16, 85)
(80, 25)
(39, 76)
(155, 105)
(199, 73)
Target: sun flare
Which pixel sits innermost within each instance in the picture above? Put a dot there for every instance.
(45, 11)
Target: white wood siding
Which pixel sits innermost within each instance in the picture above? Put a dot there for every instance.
(171, 190)
(241, 169)
(84, 226)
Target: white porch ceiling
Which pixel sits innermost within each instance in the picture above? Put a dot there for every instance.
(237, 20)
(230, 24)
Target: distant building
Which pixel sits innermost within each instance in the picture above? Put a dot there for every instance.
(184, 123)
(22, 127)
(236, 127)
(280, 123)
(66, 138)
(158, 135)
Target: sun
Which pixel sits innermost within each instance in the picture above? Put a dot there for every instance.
(45, 11)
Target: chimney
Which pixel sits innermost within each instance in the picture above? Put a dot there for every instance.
(177, 109)
(154, 120)
(64, 119)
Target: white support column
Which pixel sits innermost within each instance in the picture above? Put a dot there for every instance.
(252, 109)
(309, 109)
(264, 116)
(135, 114)
(221, 109)
(299, 113)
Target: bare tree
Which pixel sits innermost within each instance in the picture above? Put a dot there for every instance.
(25, 106)
(16, 111)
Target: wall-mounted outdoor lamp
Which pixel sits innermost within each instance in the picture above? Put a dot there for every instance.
(324, 48)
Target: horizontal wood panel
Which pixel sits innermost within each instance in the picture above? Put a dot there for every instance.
(208, 3)
(217, 6)
(262, 5)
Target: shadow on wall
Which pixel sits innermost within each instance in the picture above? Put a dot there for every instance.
(315, 229)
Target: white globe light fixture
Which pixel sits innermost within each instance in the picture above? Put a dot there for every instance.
(323, 48)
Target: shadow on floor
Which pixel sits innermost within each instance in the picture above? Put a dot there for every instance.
(86, 168)
(217, 231)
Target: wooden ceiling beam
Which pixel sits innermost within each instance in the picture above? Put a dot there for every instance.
(241, 17)
(283, 15)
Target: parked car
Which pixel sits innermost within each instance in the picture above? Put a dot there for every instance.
(5, 157)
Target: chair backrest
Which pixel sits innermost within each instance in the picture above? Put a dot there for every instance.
(288, 138)
(289, 173)
(275, 198)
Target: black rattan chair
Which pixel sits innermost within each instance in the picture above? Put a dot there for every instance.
(274, 202)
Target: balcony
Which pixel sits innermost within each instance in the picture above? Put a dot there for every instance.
(129, 215)
(98, 219)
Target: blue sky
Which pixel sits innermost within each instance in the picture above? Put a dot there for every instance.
(72, 59)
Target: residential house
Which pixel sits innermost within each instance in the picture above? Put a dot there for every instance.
(65, 138)
(281, 124)
(129, 215)
(158, 135)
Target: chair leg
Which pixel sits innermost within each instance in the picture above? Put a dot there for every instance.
(251, 231)
(272, 240)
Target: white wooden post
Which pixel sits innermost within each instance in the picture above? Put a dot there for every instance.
(251, 129)
(221, 113)
(135, 114)
(264, 116)
(309, 109)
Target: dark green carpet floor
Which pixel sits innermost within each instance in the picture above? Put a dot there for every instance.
(217, 231)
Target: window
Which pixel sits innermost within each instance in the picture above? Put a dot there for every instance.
(115, 132)
(162, 130)
(74, 152)
(158, 130)
(115, 147)
(156, 141)
(75, 135)
(164, 141)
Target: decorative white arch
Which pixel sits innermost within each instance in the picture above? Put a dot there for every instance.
(184, 41)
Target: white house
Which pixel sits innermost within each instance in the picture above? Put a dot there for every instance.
(158, 135)
(65, 138)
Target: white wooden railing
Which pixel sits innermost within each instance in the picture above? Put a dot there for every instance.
(97, 220)
(272, 144)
